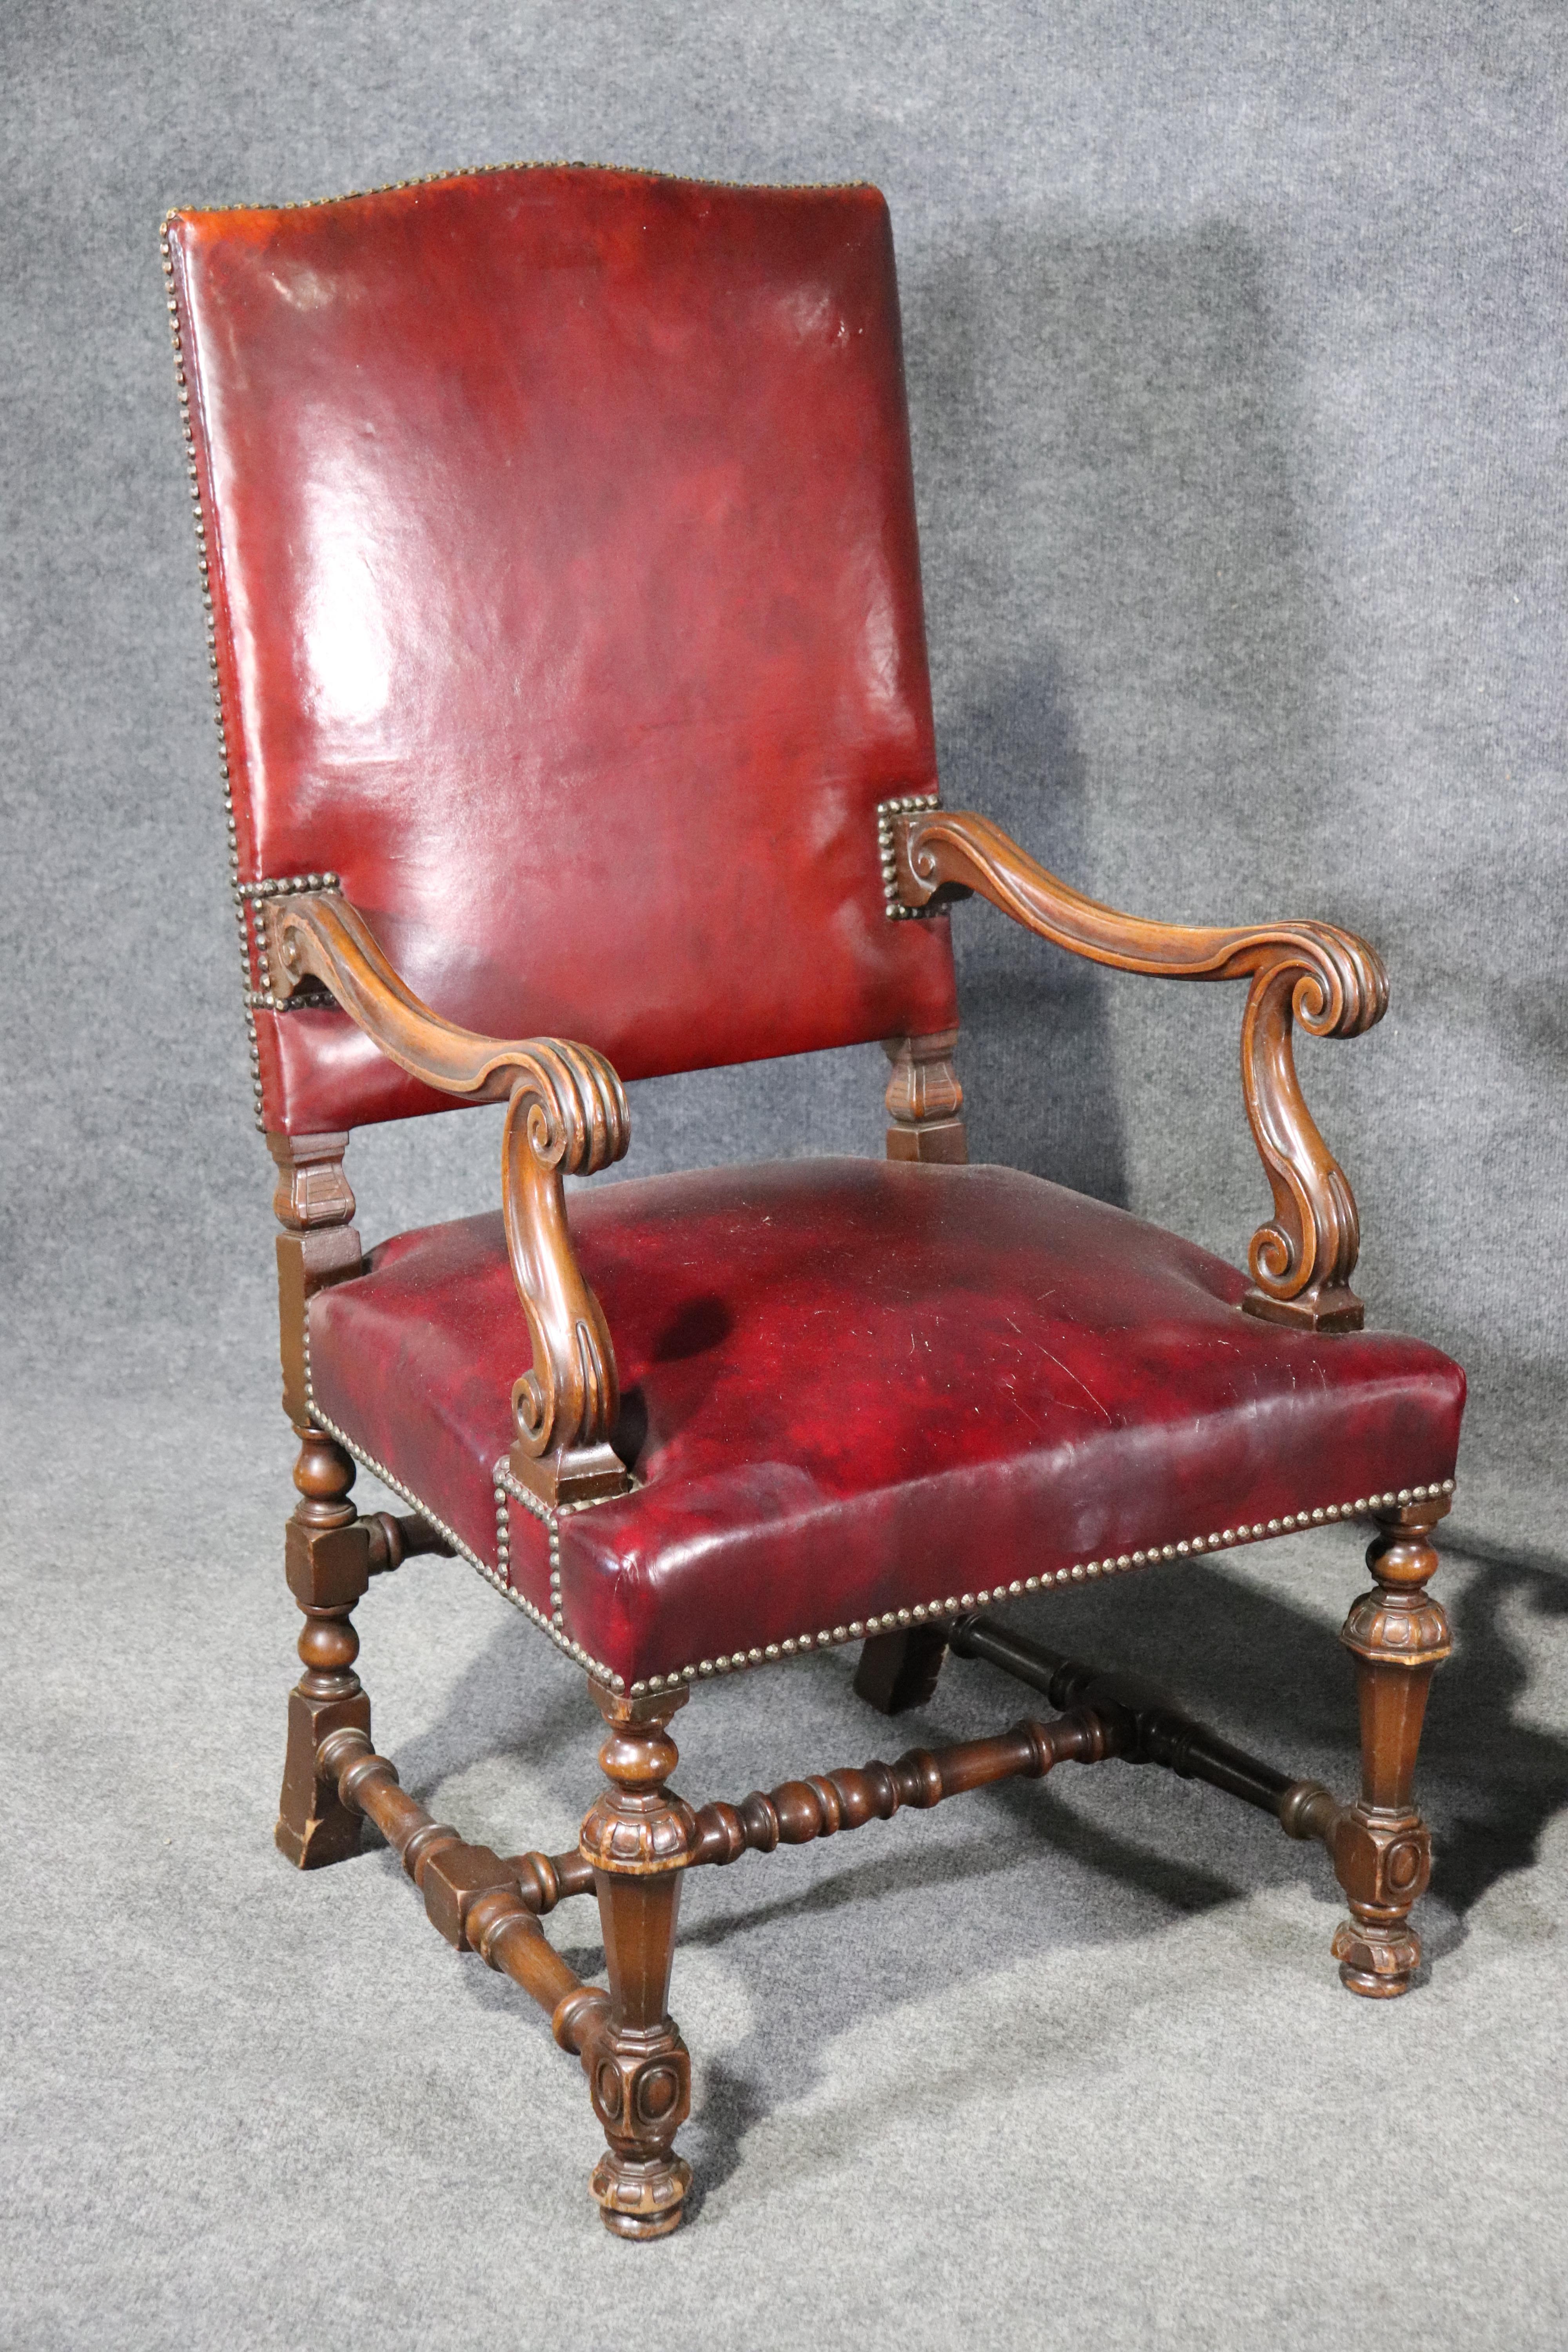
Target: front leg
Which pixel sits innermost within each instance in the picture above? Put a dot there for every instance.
(639, 1838)
(1382, 1847)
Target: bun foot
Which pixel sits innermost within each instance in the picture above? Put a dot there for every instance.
(1378, 1964)
(641, 2198)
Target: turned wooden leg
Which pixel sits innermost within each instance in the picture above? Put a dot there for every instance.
(327, 1560)
(639, 1838)
(899, 1670)
(1382, 1847)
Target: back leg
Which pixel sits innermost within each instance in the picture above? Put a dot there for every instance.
(328, 1562)
(899, 1670)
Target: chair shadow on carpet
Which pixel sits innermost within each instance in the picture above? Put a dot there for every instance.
(1133, 1850)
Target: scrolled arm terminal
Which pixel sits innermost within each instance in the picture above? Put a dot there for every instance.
(1332, 983)
(566, 1116)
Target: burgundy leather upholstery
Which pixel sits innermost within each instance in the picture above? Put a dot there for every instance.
(562, 543)
(854, 1387)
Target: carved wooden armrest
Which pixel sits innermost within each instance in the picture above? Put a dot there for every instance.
(1301, 1261)
(566, 1115)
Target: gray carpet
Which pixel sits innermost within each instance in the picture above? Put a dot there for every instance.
(1052, 2065)
(1236, 354)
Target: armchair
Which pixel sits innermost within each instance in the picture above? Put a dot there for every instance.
(550, 519)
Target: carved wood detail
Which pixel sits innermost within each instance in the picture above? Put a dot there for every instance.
(925, 1099)
(1380, 1847)
(566, 1116)
(1143, 1726)
(478, 1902)
(327, 1561)
(1329, 981)
(313, 1190)
(801, 1810)
(319, 1243)
(639, 1838)
(1399, 1635)
(395, 1536)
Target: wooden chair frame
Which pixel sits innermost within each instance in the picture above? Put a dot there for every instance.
(567, 1113)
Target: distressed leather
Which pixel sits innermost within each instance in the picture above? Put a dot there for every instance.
(562, 544)
(851, 1387)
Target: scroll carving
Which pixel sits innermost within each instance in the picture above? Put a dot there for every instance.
(566, 1116)
(1330, 981)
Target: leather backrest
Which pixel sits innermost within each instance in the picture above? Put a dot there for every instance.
(565, 591)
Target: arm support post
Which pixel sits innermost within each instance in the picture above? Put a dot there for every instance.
(566, 1116)
(1332, 983)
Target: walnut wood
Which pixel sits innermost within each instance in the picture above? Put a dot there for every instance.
(639, 1838)
(470, 1894)
(566, 1116)
(395, 1536)
(898, 1671)
(547, 1879)
(1145, 1729)
(1329, 980)
(925, 1099)
(801, 1810)
(312, 1188)
(326, 1556)
(319, 1243)
(1383, 1849)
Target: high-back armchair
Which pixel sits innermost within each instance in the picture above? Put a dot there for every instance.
(557, 537)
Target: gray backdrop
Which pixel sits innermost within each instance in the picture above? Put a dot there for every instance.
(1234, 351)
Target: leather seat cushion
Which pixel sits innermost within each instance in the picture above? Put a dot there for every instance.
(851, 1388)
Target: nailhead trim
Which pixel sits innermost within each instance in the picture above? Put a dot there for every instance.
(897, 912)
(507, 1486)
(1229, 1540)
(532, 164)
(288, 887)
(309, 999)
(251, 997)
(860, 1629)
(497, 1575)
(257, 999)
(313, 994)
